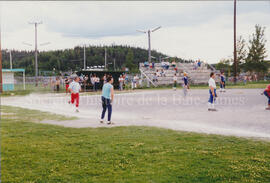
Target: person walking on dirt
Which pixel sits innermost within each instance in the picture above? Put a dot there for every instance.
(185, 84)
(75, 89)
(107, 99)
(212, 92)
(267, 94)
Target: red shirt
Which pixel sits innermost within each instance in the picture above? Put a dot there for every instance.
(268, 89)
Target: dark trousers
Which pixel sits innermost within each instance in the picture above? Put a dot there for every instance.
(268, 96)
(106, 103)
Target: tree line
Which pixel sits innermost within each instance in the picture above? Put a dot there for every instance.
(118, 57)
(251, 55)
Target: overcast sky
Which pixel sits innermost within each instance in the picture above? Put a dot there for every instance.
(190, 30)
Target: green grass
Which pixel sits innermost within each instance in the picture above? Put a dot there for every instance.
(34, 152)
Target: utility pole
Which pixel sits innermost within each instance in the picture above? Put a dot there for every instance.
(105, 58)
(149, 41)
(84, 58)
(36, 51)
(149, 46)
(10, 59)
(234, 52)
(114, 64)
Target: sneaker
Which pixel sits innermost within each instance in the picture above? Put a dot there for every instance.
(101, 120)
(77, 110)
(267, 108)
(109, 122)
(69, 102)
(212, 109)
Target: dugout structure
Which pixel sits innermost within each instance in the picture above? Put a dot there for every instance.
(100, 74)
(8, 78)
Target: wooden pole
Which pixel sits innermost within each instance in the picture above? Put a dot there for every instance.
(234, 44)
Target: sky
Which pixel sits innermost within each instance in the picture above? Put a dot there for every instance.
(190, 29)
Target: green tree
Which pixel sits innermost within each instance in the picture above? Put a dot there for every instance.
(129, 60)
(257, 52)
(225, 66)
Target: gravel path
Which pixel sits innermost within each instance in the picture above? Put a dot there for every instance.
(241, 112)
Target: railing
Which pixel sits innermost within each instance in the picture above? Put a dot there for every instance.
(148, 79)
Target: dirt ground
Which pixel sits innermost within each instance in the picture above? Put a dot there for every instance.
(241, 112)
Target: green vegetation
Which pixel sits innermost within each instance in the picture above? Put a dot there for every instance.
(54, 62)
(33, 152)
(253, 60)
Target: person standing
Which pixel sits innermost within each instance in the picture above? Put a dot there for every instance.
(212, 92)
(267, 94)
(121, 82)
(185, 84)
(107, 99)
(67, 85)
(75, 89)
(57, 83)
(174, 82)
(222, 82)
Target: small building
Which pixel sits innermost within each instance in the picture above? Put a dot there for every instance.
(8, 78)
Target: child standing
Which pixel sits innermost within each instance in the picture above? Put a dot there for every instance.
(222, 82)
(185, 84)
(174, 82)
(212, 92)
(75, 89)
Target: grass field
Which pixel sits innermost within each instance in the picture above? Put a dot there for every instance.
(34, 152)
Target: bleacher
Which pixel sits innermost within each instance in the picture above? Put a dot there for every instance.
(195, 76)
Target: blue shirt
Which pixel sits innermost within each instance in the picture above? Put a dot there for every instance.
(222, 78)
(106, 90)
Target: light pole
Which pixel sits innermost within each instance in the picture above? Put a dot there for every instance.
(84, 58)
(105, 55)
(149, 40)
(36, 50)
(234, 42)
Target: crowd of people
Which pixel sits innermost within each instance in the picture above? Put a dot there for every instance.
(73, 86)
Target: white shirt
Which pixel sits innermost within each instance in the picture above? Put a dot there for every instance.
(75, 87)
(121, 80)
(175, 78)
(212, 83)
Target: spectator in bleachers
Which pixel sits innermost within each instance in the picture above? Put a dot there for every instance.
(162, 73)
(157, 73)
(176, 70)
(173, 64)
(146, 64)
(163, 65)
(155, 79)
(153, 65)
(167, 65)
(199, 63)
